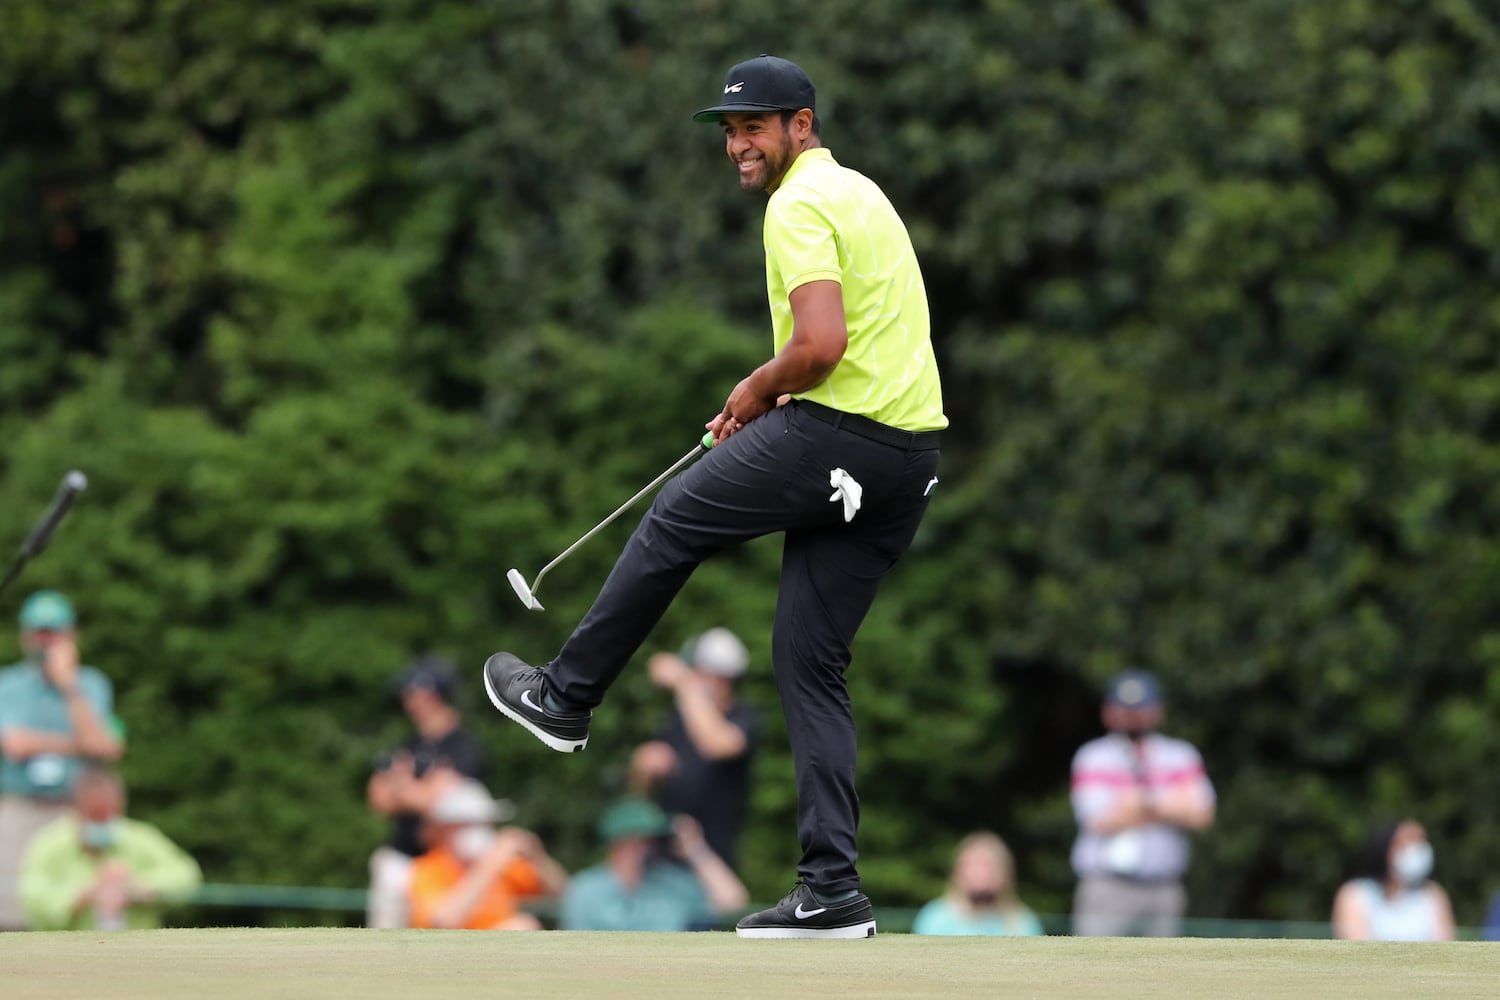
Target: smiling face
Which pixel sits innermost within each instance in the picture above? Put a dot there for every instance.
(763, 146)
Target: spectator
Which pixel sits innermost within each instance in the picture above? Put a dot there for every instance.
(474, 876)
(1136, 795)
(639, 889)
(406, 784)
(1390, 896)
(97, 870)
(699, 764)
(54, 716)
(981, 897)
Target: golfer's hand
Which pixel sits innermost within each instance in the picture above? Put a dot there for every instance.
(744, 404)
(722, 426)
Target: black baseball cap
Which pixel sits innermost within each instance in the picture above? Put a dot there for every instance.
(428, 673)
(765, 83)
(1134, 689)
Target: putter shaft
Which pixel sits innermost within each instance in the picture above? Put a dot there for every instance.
(684, 460)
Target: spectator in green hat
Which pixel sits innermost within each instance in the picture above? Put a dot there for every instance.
(641, 886)
(54, 716)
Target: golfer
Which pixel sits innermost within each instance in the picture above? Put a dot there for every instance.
(845, 468)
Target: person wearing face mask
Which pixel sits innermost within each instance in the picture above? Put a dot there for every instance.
(1391, 896)
(981, 897)
(475, 876)
(405, 783)
(1137, 794)
(98, 870)
(55, 715)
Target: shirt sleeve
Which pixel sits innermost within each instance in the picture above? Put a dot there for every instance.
(748, 719)
(52, 878)
(522, 879)
(1189, 770)
(99, 692)
(426, 888)
(467, 757)
(1093, 787)
(927, 918)
(802, 241)
(157, 864)
(576, 906)
(8, 706)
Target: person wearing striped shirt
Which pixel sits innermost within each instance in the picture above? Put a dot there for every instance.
(1137, 795)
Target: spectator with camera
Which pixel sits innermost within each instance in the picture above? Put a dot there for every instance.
(407, 783)
(474, 876)
(55, 716)
(97, 870)
(658, 875)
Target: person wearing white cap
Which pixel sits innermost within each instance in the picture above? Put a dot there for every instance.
(475, 876)
(699, 765)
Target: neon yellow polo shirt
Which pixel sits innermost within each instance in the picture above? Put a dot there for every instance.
(829, 223)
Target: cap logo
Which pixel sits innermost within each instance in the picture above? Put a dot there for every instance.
(734, 88)
(1132, 692)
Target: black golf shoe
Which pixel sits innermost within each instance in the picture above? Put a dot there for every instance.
(516, 689)
(800, 915)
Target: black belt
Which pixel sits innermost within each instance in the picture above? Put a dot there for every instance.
(872, 429)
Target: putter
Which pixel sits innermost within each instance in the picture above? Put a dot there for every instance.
(72, 485)
(528, 594)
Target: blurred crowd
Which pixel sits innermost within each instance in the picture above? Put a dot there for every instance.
(70, 857)
(455, 859)
(669, 847)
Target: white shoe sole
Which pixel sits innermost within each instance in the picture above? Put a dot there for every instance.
(864, 930)
(555, 742)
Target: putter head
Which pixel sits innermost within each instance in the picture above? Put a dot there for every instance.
(518, 584)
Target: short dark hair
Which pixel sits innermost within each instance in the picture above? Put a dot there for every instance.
(817, 124)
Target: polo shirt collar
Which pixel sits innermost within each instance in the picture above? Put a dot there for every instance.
(818, 153)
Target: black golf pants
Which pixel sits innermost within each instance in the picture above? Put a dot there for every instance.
(774, 476)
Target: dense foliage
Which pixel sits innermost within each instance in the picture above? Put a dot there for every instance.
(348, 306)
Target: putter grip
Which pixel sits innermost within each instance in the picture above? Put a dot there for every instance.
(73, 484)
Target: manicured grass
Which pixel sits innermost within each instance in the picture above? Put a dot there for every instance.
(412, 965)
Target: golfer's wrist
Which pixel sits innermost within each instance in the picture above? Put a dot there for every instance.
(764, 385)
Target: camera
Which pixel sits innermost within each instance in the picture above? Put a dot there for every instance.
(421, 762)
